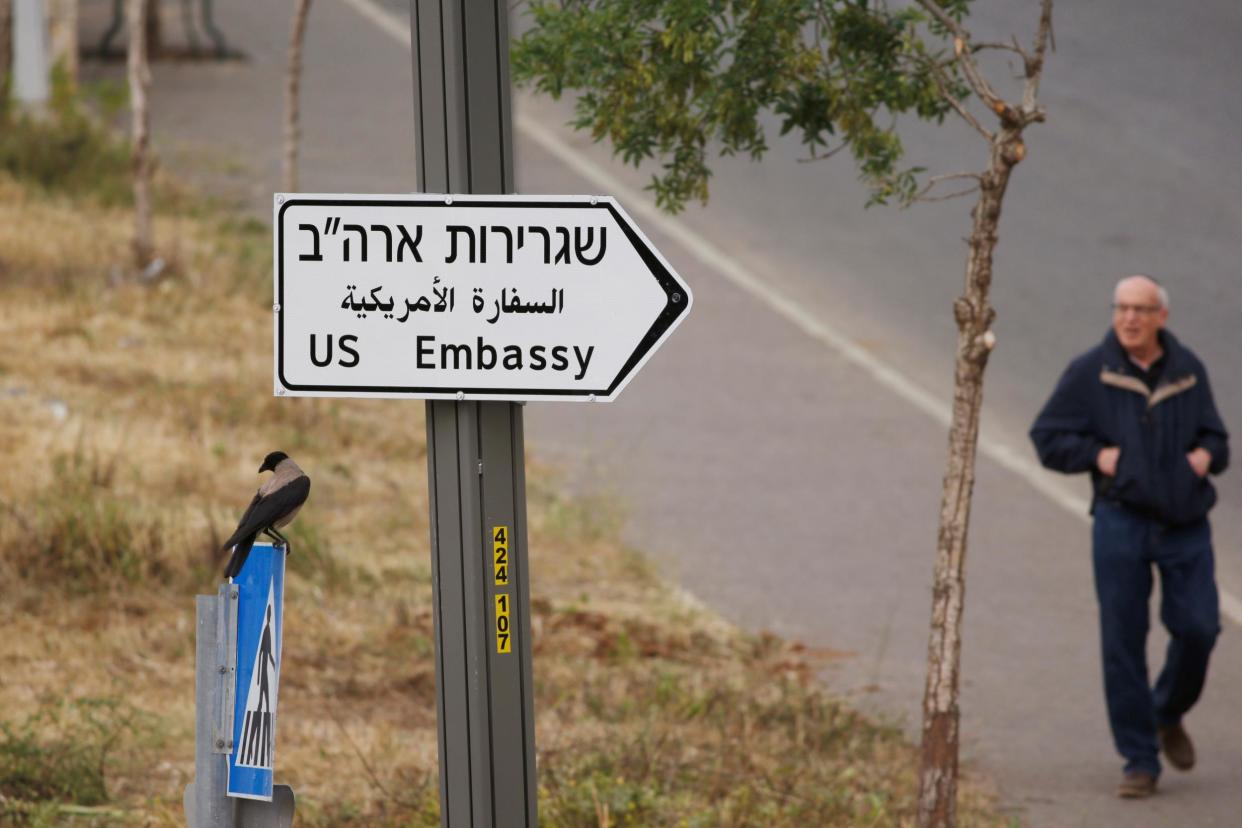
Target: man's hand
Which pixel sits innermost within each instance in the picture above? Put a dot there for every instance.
(1200, 460)
(1106, 460)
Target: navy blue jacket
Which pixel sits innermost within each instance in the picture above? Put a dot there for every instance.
(1100, 401)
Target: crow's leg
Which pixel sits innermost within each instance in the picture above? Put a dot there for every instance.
(280, 539)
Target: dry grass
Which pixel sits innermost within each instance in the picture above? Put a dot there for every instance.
(131, 421)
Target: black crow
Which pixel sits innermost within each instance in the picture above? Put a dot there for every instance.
(274, 505)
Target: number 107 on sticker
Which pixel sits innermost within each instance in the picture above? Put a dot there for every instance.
(504, 637)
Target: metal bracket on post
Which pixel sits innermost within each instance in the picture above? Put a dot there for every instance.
(226, 667)
(206, 805)
(254, 813)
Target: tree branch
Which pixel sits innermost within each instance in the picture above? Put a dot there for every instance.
(1006, 47)
(936, 179)
(942, 83)
(1035, 64)
(922, 195)
(813, 157)
(960, 194)
(962, 48)
(293, 83)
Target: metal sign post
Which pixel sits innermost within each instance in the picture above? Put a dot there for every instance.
(232, 759)
(471, 299)
(475, 452)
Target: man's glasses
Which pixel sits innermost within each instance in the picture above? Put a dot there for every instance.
(1121, 309)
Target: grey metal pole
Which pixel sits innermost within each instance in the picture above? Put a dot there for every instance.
(30, 66)
(475, 453)
(211, 807)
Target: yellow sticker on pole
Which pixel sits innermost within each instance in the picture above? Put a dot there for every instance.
(504, 635)
(500, 554)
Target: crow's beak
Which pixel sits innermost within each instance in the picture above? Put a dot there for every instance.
(265, 467)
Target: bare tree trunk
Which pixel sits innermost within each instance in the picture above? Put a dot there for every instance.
(973, 311)
(6, 51)
(140, 136)
(63, 29)
(155, 38)
(293, 80)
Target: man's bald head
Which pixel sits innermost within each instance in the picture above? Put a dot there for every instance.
(1143, 280)
(1140, 310)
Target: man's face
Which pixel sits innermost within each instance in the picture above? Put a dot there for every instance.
(1138, 315)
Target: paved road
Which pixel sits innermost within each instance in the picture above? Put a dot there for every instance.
(772, 473)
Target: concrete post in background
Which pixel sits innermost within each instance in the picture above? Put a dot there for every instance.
(30, 66)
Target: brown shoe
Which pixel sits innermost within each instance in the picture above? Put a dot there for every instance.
(1176, 746)
(1137, 785)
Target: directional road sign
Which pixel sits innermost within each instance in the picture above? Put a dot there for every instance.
(466, 297)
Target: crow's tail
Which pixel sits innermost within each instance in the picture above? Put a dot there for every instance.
(240, 552)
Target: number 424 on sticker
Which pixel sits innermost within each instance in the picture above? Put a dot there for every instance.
(500, 554)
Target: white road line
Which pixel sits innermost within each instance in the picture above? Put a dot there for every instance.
(390, 22)
(641, 206)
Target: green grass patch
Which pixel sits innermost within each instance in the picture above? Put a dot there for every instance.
(81, 534)
(689, 742)
(68, 149)
(56, 763)
(312, 559)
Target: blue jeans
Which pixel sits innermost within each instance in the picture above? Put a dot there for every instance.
(1125, 545)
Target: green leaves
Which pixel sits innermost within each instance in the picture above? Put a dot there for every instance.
(678, 80)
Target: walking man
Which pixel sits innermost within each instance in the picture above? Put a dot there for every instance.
(1136, 411)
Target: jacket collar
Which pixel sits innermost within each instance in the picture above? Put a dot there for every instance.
(1176, 365)
(1119, 372)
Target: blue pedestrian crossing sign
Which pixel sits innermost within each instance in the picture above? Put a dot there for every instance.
(261, 588)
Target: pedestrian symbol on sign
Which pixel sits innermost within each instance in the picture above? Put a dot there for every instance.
(261, 590)
(257, 726)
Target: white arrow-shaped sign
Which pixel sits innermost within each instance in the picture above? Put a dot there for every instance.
(466, 297)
